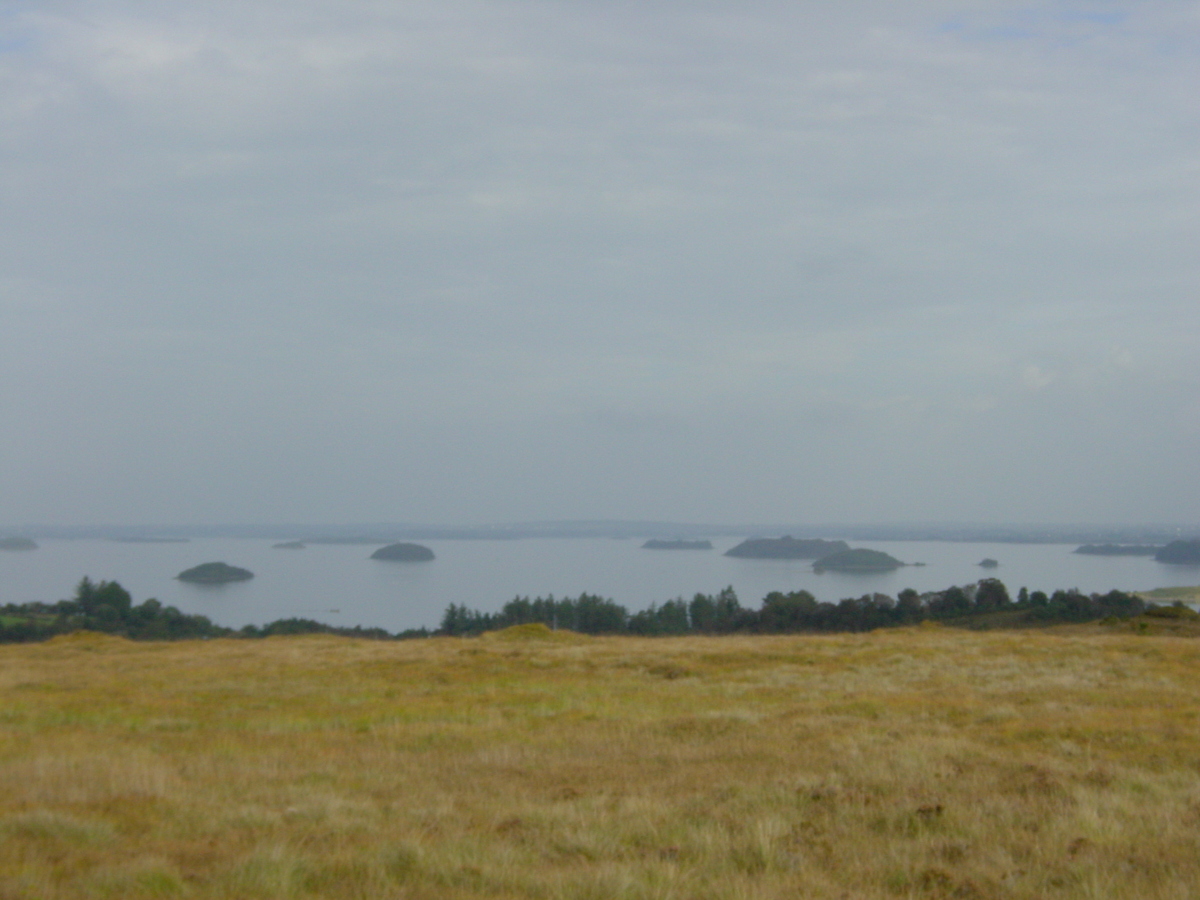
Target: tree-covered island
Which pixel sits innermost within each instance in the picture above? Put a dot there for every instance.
(1181, 553)
(857, 560)
(786, 547)
(214, 573)
(1118, 549)
(403, 553)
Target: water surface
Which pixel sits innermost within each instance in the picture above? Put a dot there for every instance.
(338, 584)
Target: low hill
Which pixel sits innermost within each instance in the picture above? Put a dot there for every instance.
(17, 543)
(137, 539)
(859, 560)
(656, 544)
(1185, 593)
(214, 573)
(403, 553)
(786, 547)
(1185, 553)
(1118, 549)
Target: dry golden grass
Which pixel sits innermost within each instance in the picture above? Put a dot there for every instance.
(1188, 594)
(901, 764)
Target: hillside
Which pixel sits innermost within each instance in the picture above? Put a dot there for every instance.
(923, 762)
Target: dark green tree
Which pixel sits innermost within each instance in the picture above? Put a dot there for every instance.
(991, 595)
(728, 611)
(703, 613)
(90, 597)
(950, 603)
(790, 612)
(909, 610)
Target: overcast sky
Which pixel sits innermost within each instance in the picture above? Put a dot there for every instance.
(466, 262)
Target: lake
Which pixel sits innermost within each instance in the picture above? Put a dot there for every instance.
(340, 585)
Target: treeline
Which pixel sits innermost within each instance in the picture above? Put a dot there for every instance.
(107, 607)
(101, 606)
(983, 604)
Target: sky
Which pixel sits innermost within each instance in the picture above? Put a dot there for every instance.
(472, 262)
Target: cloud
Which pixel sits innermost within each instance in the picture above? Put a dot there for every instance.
(1036, 379)
(1122, 359)
(549, 225)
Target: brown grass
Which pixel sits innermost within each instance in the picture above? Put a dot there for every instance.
(901, 764)
(1188, 594)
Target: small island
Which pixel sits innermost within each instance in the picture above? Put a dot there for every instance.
(1117, 549)
(988, 563)
(787, 547)
(17, 543)
(859, 560)
(1181, 553)
(289, 545)
(214, 573)
(403, 553)
(657, 544)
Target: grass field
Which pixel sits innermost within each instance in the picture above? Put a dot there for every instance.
(1186, 594)
(908, 763)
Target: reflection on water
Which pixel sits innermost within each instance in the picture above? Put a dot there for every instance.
(340, 585)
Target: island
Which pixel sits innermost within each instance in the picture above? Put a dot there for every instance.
(988, 563)
(289, 545)
(786, 547)
(214, 573)
(403, 553)
(1118, 549)
(1183, 553)
(860, 560)
(657, 544)
(17, 543)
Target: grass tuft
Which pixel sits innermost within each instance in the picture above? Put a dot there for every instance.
(536, 631)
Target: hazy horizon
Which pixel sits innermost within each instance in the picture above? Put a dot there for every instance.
(384, 532)
(460, 261)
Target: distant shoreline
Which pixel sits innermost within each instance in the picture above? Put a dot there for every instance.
(385, 533)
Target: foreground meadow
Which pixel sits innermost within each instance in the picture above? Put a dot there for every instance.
(908, 763)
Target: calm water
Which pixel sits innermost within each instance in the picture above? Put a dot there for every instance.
(338, 584)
